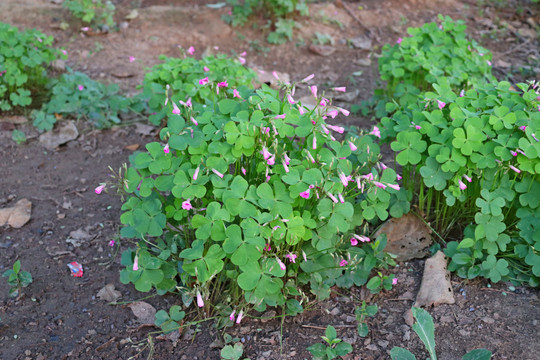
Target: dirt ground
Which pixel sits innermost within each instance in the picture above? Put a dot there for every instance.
(61, 317)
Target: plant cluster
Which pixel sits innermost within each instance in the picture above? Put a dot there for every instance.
(24, 56)
(425, 329)
(472, 158)
(17, 279)
(76, 95)
(96, 13)
(279, 11)
(180, 79)
(249, 197)
(415, 63)
(333, 348)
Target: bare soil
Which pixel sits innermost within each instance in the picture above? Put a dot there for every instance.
(60, 317)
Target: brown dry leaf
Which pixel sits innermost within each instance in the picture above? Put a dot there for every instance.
(132, 147)
(145, 313)
(17, 215)
(408, 237)
(436, 288)
(109, 294)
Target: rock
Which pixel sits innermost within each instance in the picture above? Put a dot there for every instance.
(308, 102)
(527, 33)
(59, 65)
(361, 42)
(348, 96)
(488, 320)
(323, 50)
(408, 317)
(364, 62)
(67, 131)
(145, 313)
(17, 215)
(143, 129)
(408, 237)
(383, 343)
(436, 288)
(14, 119)
(80, 234)
(123, 25)
(335, 311)
(372, 347)
(109, 294)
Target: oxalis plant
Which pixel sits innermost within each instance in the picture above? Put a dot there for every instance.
(246, 201)
(425, 329)
(472, 159)
(415, 62)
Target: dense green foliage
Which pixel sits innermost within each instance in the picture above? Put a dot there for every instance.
(96, 13)
(24, 56)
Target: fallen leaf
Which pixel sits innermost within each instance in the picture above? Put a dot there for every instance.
(109, 294)
(145, 313)
(132, 15)
(436, 288)
(123, 74)
(132, 147)
(17, 215)
(408, 237)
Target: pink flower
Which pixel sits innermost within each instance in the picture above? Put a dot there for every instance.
(200, 302)
(166, 149)
(267, 247)
(305, 194)
(222, 84)
(394, 281)
(382, 166)
(136, 263)
(310, 157)
(488, 62)
(217, 173)
(131, 59)
(398, 177)
(313, 90)
(514, 168)
(186, 205)
(399, 40)
(462, 186)
(243, 53)
(354, 242)
(376, 132)
(281, 264)
(203, 81)
(80, 87)
(242, 60)
(306, 79)
(514, 153)
(368, 177)
(341, 199)
(343, 262)
(362, 238)
(290, 99)
(100, 188)
(271, 160)
(206, 69)
(441, 104)
(379, 185)
(344, 179)
(291, 257)
(285, 166)
(314, 145)
(534, 137)
(265, 153)
(282, 116)
(191, 50)
(467, 178)
(333, 198)
(111, 243)
(344, 112)
(187, 103)
(194, 121)
(287, 159)
(394, 186)
(338, 129)
(522, 128)
(85, 29)
(64, 52)
(274, 74)
(462, 93)
(341, 89)
(236, 94)
(417, 127)
(301, 110)
(196, 173)
(333, 113)
(240, 315)
(231, 317)
(176, 110)
(243, 171)
(323, 102)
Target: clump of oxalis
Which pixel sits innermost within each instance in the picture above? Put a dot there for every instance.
(249, 202)
(469, 151)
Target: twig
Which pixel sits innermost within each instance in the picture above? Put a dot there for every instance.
(502, 291)
(105, 345)
(399, 299)
(497, 56)
(323, 328)
(346, 7)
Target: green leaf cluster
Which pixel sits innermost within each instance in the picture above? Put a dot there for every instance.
(97, 13)
(24, 57)
(17, 279)
(333, 348)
